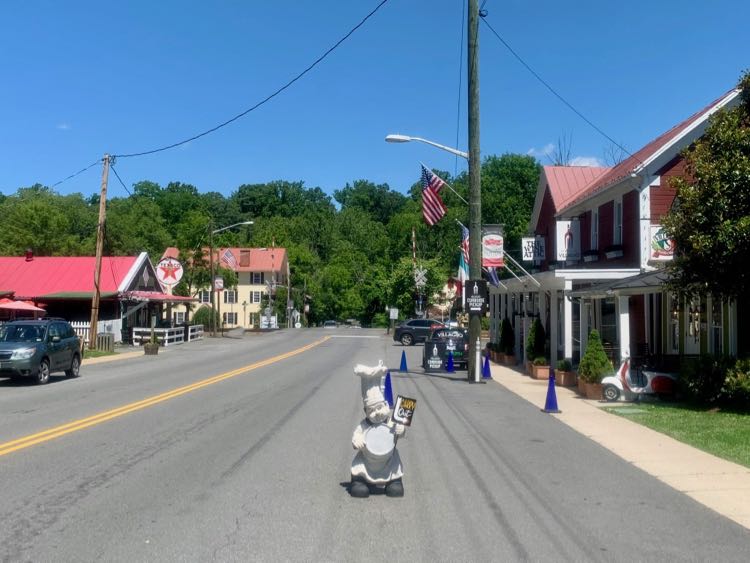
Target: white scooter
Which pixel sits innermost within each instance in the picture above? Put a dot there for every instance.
(634, 386)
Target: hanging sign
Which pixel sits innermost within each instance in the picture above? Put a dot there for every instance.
(218, 283)
(403, 410)
(568, 241)
(532, 249)
(492, 247)
(475, 296)
(662, 247)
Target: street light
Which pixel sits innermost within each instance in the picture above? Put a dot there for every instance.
(213, 281)
(406, 138)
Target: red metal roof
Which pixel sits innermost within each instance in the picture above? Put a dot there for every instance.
(261, 259)
(57, 274)
(567, 182)
(631, 164)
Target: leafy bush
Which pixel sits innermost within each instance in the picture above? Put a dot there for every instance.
(507, 338)
(564, 365)
(535, 341)
(736, 390)
(540, 361)
(701, 380)
(203, 317)
(595, 363)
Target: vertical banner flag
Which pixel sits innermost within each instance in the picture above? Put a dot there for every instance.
(492, 247)
(493, 277)
(433, 208)
(568, 240)
(463, 275)
(465, 243)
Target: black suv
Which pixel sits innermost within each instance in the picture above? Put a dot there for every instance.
(34, 349)
(415, 330)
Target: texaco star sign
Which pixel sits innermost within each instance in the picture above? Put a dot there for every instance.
(169, 271)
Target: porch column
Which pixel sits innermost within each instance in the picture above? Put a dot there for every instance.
(568, 319)
(543, 308)
(585, 312)
(552, 329)
(624, 326)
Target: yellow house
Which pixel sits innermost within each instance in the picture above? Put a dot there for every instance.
(259, 270)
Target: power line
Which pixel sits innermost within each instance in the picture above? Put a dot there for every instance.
(112, 167)
(264, 100)
(76, 173)
(558, 96)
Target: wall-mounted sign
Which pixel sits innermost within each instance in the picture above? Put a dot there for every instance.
(169, 271)
(533, 248)
(568, 241)
(492, 247)
(662, 247)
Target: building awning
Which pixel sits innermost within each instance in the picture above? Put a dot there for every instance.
(74, 295)
(156, 297)
(640, 284)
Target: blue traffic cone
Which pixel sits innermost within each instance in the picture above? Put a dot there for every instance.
(403, 368)
(449, 365)
(486, 366)
(388, 391)
(550, 404)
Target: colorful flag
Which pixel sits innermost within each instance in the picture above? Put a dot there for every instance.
(493, 277)
(433, 208)
(229, 258)
(463, 275)
(465, 243)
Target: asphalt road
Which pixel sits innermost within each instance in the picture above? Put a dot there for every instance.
(253, 466)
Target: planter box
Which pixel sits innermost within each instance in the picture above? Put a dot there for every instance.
(581, 387)
(594, 391)
(508, 359)
(565, 378)
(540, 372)
(151, 349)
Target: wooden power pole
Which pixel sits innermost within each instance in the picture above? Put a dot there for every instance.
(475, 185)
(99, 251)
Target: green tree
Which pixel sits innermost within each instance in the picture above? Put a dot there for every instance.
(710, 219)
(378, 201)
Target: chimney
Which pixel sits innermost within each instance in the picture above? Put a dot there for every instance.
(29, 255)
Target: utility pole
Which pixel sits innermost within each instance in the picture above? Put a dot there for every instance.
(99, 251)
(475, 185)
(212, 321)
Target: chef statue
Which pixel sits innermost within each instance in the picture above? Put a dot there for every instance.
(376, 464)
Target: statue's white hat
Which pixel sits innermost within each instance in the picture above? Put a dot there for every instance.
(371, 378)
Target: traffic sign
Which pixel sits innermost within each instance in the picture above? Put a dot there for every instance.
(420, 277)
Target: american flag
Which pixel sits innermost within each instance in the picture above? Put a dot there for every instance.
(433, 207)
(229, 258)
(465, 243)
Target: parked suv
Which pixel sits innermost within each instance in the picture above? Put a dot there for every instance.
(415, 330)
(34, 349)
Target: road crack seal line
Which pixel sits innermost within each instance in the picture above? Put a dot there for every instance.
(58, 431)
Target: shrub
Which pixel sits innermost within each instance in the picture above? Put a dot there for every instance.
(203, 317)
(507, 338)
(595, 363)
(701, 380)
(564, 365)
(540, 361)
(736, 390)
(535, 341)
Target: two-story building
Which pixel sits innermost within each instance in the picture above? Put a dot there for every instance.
(259, 272)
(603, 260)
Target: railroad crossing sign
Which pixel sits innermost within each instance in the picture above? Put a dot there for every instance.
(420, 277)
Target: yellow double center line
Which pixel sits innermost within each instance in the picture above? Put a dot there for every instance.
(76, 425)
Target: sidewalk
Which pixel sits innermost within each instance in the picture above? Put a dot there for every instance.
(720, 485)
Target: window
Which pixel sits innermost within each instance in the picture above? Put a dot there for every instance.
(255, 296)
(617, 234)
(204, 296)
(230, 296)
(594, 245)
(230, 318)
(257, 277)
(178, 317)
(717, 340)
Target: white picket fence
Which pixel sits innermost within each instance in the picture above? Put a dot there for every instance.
(113, 327)
(165, 336)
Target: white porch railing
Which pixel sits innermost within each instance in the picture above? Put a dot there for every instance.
(167, 336)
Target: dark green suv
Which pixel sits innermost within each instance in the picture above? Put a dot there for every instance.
(35, 348)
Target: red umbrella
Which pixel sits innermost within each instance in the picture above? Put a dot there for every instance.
(10, 305)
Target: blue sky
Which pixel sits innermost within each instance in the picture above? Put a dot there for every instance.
(84, 78)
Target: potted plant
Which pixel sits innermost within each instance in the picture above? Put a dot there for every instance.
(540, 368)
(151, 348)
(535, 341)
(507, 343)
(564, 374)
(594, 366)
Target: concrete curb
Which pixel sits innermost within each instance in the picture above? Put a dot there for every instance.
(718, 484)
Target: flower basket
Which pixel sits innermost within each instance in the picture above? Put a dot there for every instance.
(151, 348)
(565, 378)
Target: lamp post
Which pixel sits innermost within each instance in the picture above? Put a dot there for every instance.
(212, 232)
(475, 192)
